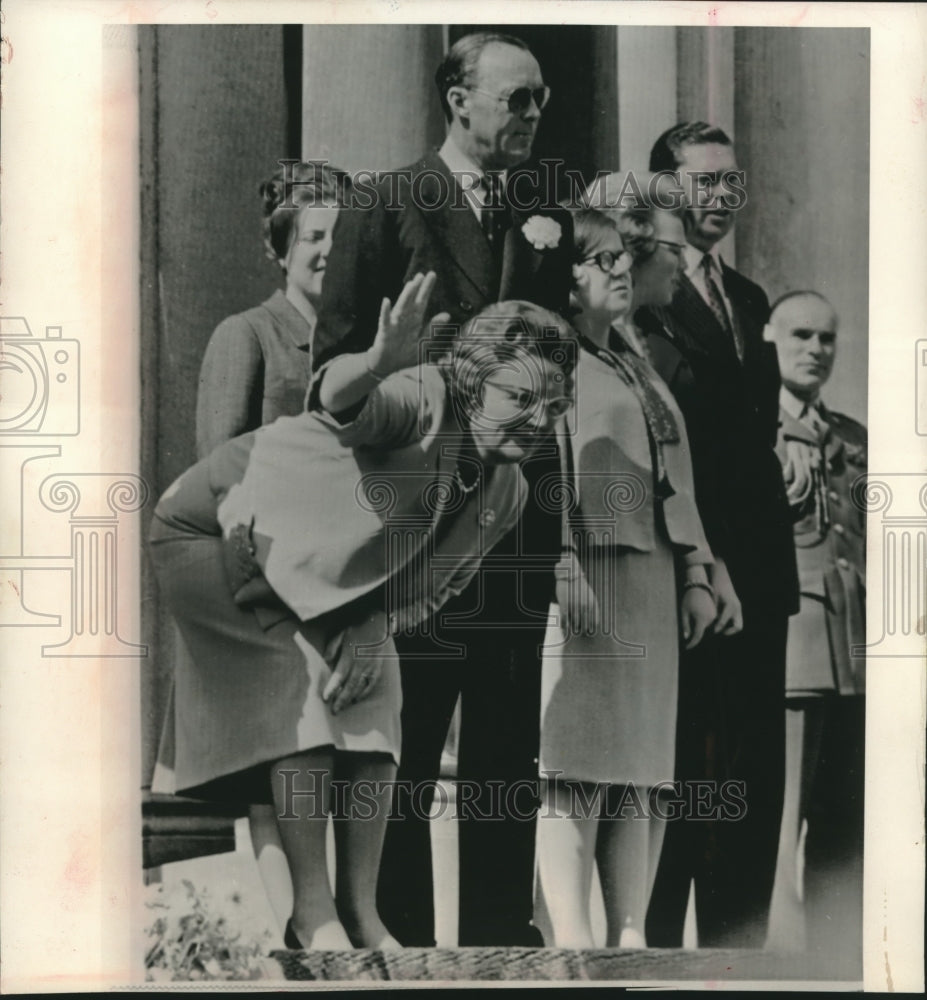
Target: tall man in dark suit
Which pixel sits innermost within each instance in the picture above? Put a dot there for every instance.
(489, 234)
(708, 345)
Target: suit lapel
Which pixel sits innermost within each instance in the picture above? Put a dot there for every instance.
(290, 320)
(751, 315)
(520, 260)
(696, 316)
(454, 225)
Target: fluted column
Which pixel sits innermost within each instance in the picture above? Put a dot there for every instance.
(705, 86)
(802, 134)
(705, 77)
(213, 122)
(646, 91)
(369, 97)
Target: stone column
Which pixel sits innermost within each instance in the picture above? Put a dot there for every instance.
(606, 151)
(705, 87)
(369, 96)
(802, 134)
(213, 122)
(646, 91)
(705, 77)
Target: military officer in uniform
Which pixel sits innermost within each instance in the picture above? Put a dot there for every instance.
(823, 455)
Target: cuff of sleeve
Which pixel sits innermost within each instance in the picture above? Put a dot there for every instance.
(343, 420)
(312, 393)
(699, 557)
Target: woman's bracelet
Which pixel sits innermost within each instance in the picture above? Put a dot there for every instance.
(699, 585)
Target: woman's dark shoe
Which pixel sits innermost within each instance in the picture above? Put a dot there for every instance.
(290, 939)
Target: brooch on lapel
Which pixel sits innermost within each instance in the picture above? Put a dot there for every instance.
(542, 232)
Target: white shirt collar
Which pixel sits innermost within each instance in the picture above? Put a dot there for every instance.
(694, 260)
(794, 406)
(467, 172)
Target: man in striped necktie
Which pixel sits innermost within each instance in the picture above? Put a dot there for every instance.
(708, 345)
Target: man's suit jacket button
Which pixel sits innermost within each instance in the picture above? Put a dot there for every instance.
(466, 307)
(838, 528)
(834, 495)
(842, 563)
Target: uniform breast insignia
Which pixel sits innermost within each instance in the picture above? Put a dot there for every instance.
(855, 454)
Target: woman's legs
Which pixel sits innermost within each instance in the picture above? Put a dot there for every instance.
(360, 825)
(657, 828)
(626, 871)
(271, 861)
(566, 853)
(303, 802)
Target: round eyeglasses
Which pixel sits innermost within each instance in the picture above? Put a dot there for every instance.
(520, 99)
(525, 400)
(611, 263)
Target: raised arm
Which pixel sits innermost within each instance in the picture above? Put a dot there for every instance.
(349, 378)
(365, 266)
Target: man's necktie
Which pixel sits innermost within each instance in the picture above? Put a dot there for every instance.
(716, 301)
(813, 420)
(494, 213)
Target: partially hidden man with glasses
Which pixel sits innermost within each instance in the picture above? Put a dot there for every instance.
(489, 235)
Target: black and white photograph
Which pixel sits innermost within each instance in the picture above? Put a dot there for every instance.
(445, 492)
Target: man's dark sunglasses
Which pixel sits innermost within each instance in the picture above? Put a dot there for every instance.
(520, 100)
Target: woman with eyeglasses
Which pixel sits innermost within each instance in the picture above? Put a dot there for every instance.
(632, 579)
(655, 237)
(290, 556)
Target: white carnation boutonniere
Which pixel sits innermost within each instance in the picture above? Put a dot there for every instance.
(542, 233)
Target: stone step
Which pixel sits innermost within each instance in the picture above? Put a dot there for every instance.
(704, 966)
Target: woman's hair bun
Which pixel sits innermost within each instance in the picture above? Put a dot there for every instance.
(272, 193)
(288, 191)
